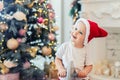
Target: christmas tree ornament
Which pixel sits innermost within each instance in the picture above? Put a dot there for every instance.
(22, 32)
(3, 68)
(51, 15)
(19, 40)
(12, 44)
(46, 50)
(30, 5)
(45, 21)
(40, 10)
(49, 6)
(53, 71)
(40, 20)
(26, 65)
(51, 36)
(33, 51)
(55, 28)
(19, 2)
(19, 16)
(3, 27)
(9, 64)
(41, 1)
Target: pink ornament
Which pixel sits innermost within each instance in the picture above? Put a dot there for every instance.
(19, 40)
(51, 15)
(51, 36)
(41, 1)
(49, 6)
(22, 32)
(40, 20)
(26, 65)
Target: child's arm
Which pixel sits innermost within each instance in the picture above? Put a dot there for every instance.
(60, 67)
(83, 73)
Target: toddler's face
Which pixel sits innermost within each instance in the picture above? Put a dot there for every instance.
(78, 33)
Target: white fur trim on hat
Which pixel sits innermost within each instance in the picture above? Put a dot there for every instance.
(87, 28)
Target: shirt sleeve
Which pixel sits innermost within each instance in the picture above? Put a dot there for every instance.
(60, 51)
(88, 58)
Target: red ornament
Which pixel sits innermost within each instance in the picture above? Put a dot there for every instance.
(22, 32)
(40, 20)
(51, 36)
(12, 44)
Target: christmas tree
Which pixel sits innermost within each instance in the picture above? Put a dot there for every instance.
(75, 10)
(41, 33)
(27, 34)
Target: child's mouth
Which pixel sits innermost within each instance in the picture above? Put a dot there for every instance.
(74, 36)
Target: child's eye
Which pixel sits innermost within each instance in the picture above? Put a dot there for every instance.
(80, 32)
(76, 29)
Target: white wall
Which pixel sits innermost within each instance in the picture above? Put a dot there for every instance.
(67, 20)
(57, 6)
(64, 21)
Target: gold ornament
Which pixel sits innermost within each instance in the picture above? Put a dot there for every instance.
(12, 44)
(3, 27)
(19, 2)
(46, 50)
(40, 10)
(55, 28)
(45, 21)
(52, 65)
(4, 69)
(53, 71)
(33, 51)
(31, 4)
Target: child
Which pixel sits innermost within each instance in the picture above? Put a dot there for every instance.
(72, 57)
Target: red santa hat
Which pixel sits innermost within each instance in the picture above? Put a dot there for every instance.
(92, 30)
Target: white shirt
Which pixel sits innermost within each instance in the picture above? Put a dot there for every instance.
(73, 57)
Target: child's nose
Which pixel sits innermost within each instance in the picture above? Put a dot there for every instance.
(75, 32)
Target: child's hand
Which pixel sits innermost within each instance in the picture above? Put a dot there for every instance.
(62, 72)
(83, 73)
(80, 73)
